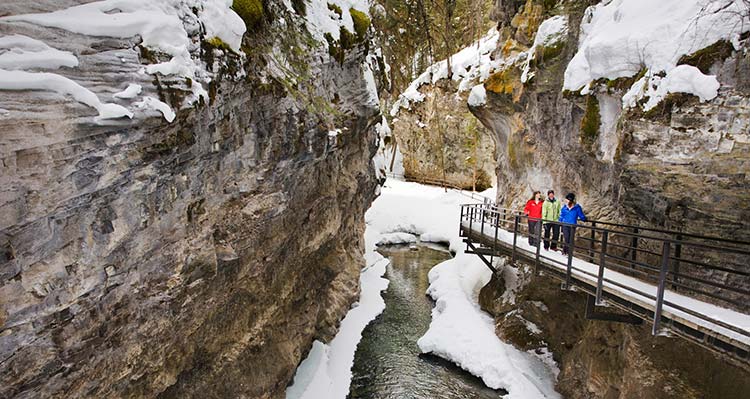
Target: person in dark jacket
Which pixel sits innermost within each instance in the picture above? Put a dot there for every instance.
(533, 210)
(570, 213)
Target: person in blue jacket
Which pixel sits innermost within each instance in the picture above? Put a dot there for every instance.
(570, 213)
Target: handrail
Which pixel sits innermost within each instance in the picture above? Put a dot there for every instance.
(642, 228)
(650, 257)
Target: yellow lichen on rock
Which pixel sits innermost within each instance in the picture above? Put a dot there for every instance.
(511, 46)
(506, 81)
(528, 21)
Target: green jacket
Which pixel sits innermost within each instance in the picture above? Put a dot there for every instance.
(551, 210)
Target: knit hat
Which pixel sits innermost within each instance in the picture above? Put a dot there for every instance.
(570, 197)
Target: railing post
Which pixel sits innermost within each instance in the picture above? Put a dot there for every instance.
(676, 265)
(538, 233)
(515, 238)
(505, 211)
(481, 221)
(602, 266)
(461, 222)
(571, 248)
(591, 243)
(660, 289)
(634, 255)
(497, 227)
(471, 219)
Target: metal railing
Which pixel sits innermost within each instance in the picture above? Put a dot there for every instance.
(696, 266)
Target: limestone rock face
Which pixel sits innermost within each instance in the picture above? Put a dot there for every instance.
(198, 258)
(440, 134)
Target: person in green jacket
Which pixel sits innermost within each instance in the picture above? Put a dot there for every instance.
(551, 213)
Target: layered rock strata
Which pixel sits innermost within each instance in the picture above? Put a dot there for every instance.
(198, 258)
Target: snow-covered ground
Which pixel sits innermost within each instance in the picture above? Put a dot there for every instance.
(460, 331)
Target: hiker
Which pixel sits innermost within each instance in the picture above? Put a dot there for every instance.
(570, 214)
(550, 215)
(533, 210)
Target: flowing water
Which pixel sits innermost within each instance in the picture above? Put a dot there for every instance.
(388, 363)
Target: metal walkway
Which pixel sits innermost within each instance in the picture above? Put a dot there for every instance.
(688, 285)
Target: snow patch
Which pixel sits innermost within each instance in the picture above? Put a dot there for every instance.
(681, 79)
(21, 80)
(551, 31)
(154, 104)
(388, 158)
(18, 52)
(477, 96)
(396, 238)
(131, 91)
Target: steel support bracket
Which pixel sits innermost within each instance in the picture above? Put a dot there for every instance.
(593, 314)
(482, 257)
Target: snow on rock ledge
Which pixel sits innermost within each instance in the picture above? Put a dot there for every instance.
(167, 26)
(551, 32)
(477, 96)
(619, 38)
(20, 80)
(473, 63)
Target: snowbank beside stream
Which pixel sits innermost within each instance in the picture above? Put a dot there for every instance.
(460, 331)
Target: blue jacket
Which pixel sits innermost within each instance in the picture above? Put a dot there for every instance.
(572, 215)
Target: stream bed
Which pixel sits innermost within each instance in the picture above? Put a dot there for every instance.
(388, 363)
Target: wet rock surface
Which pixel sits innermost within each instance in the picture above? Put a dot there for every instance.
(193, 259)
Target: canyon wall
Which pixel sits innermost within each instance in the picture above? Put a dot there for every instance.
(631, 153)
(680, 165)
(197, 258)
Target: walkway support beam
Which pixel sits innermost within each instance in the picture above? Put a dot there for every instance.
(666, 249)
(602, 265)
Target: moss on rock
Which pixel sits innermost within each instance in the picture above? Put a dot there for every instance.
(217, 43)
(335, 8)
(705, 58)
(590, 122)
(361, 23)
(251, 11)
